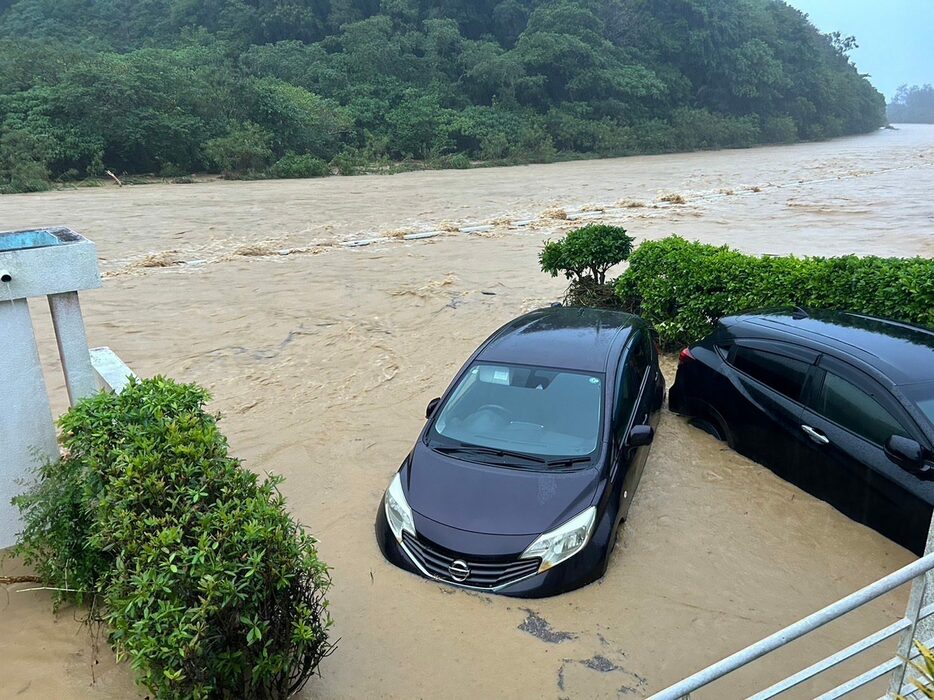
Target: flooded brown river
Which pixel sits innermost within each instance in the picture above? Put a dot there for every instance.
(322, 361)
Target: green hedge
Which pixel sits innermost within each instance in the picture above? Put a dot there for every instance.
(207, 585)
(682, 288)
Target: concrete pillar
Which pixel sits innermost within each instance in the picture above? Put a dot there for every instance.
(924, 632)
(27, 433)
(925, 629)
(73, 346)
(921, 596)
(53, 262)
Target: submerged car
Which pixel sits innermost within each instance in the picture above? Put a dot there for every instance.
(529, 461)
(839, 404)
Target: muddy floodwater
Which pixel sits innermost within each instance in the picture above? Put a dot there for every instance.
(322, 357)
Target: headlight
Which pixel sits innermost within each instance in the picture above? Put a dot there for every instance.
(564, 542)
(398, 512)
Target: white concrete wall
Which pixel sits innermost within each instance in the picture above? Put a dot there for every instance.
(38, 272)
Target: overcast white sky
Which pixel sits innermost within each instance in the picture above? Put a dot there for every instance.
(895, 37)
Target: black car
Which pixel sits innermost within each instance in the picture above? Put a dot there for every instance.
(529, 461)
(839, 404)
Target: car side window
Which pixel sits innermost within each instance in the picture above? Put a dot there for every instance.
(783, 374)
(852, 408)
(629, 381)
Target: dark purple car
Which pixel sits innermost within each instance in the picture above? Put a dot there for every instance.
(529, 461)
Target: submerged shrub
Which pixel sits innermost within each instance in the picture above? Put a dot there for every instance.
(295, 166)
(245, 149)
(683, 288)
(206, 583)
(587, 252)
(779, 130)
(586, 292)
(460, 162)
(348, 162)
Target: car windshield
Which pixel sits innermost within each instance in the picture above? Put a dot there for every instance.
(923, 395)
(546, 413)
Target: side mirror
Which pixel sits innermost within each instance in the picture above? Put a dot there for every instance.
(640, 436)
(906, 453)
(432, 405)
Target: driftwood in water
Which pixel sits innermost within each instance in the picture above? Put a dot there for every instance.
(10, 580)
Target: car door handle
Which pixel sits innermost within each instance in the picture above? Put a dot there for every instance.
(816, 435)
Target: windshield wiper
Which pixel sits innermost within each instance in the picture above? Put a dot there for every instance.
(493, 451)
(566, 461)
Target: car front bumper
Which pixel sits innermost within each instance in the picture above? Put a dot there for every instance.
(583, 568)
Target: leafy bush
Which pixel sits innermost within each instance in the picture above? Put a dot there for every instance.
(298, 120)
(486, 132)
(28, 176)
(779, 130)
(701, 129)
(587, 252)
(293, 166)
(349, 162)
(169, 171)
(460, 162)
(683, 287)
(208, 586)
(23, 165)
(418, 126)
(245, 149)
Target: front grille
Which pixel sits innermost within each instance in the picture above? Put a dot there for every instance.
(483, 574)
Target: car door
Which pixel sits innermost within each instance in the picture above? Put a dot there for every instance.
(635, 394)
(763, 413)
(847, 419)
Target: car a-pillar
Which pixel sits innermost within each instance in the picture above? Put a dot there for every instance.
(55, 263)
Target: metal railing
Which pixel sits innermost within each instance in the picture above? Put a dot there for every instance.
(896, 666)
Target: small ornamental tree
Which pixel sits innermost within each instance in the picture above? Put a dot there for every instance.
(587, 253)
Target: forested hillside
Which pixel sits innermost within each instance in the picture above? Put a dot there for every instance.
(913, 104)
(300, 87)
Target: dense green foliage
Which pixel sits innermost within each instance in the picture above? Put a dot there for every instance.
(175, 86)
(587, 252)
(913, 104)
(682, 288)
(206, 583)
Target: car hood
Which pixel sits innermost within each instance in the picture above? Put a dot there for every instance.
(492, 499)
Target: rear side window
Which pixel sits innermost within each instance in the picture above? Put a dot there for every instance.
(783, 374)
(629, 381)
(852, 408)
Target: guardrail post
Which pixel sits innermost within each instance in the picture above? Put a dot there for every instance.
(922, 594)
(915, 603)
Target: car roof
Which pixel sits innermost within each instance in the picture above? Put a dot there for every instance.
(902, 352)
(565, 337)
